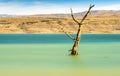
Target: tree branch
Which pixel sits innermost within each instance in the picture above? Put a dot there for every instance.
(79, 23)
(73, 16)
(69, 35)
(91, 6)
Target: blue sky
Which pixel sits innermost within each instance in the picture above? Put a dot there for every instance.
(27, 7)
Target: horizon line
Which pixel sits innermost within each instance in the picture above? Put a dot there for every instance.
(53, 13)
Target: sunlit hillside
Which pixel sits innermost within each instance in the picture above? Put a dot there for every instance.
(35, 24)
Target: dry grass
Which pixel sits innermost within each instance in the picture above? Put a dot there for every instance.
(102, 24)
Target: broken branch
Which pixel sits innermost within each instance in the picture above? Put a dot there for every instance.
(69, 35)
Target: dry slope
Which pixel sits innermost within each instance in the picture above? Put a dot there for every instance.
(29, 24)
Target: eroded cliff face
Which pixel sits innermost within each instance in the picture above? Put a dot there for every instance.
(34, 24)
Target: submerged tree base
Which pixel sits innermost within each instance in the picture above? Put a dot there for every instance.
(74, 53)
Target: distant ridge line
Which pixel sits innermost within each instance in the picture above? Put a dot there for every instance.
(93, 13)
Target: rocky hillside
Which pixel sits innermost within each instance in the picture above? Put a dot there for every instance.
(36, 24)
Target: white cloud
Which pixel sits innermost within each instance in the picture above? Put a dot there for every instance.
(36, 8)
(44, 8)
(109, 7)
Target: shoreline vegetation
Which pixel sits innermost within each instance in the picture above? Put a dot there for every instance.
(52, 25)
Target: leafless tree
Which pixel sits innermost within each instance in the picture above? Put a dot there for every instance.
(74, 50)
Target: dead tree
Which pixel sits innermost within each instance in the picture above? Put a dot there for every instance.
(77, 39)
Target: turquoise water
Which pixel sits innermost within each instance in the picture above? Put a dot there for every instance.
(48, 55)
(55, 38)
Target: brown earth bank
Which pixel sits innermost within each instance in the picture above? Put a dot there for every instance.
(52, 25)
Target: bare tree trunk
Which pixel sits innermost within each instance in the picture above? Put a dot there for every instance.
(76, 43)
(77, 39)
(74, 50)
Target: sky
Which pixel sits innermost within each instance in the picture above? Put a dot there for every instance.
(31, 7)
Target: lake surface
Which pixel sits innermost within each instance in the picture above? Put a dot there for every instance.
(48, 55)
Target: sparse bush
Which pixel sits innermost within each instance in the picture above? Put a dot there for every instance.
(4, 22)
(30, 22)
(44, 20)
(59, 22)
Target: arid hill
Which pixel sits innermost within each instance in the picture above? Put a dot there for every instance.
(80, 14)
(107, 23)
